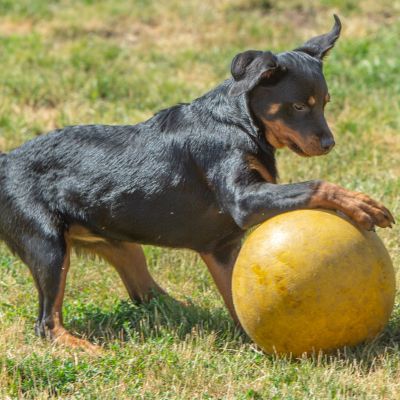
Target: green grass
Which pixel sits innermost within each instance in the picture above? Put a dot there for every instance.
(68, 62)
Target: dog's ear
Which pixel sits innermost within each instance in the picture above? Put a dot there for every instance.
(249, 68)
(319, 46)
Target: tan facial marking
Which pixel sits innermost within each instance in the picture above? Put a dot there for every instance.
(272, 134)
(273, 109)
(311, 101)
(327, 98)
(277, 133)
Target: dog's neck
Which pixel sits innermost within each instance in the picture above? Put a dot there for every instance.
(231, 110)
(235, 111)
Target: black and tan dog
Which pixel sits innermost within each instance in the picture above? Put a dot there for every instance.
(193, 176)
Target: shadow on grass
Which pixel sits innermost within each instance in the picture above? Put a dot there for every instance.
(162, 317)
(366, 356)
(367, 353)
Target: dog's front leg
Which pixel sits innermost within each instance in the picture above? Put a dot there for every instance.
(221, 271)
(254, 203)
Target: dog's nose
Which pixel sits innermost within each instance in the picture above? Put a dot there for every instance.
(327, 143)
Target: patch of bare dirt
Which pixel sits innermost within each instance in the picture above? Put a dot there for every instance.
(10, 27)
(3, 144)
(46, 117)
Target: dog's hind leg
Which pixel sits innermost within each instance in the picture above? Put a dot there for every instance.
(48, 258)
(130, 262)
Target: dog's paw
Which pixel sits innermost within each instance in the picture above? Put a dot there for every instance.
(359, 207)
(61, 337)
(367, 212)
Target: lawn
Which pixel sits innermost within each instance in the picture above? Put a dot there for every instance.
(71, 62)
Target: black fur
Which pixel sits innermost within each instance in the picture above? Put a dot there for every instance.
(319, 46)
(142, 183)
(180, 179)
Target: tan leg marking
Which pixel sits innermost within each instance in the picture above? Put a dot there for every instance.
(127, 258)
(80, 234)
(358, 206)
(58, 333)
(222, 275)
(129, 261)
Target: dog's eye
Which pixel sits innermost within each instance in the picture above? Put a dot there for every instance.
(300, 106)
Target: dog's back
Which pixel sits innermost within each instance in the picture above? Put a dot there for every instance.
(137, 183)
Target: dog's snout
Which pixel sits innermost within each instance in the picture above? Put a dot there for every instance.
(327, 143)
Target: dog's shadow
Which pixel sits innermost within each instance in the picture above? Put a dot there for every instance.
(164, 317)
(161, 317)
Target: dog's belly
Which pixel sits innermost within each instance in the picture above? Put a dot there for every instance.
(204, 230)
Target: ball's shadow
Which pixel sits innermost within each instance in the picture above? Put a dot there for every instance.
(366, 355)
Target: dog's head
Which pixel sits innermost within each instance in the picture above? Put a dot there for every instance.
(288, 93)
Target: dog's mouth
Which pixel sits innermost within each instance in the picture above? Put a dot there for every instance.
(313, 152)
(296, 149)
(278, 141)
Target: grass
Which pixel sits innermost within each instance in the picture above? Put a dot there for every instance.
(68, 62)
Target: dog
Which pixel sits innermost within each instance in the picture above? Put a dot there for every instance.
(193, 176)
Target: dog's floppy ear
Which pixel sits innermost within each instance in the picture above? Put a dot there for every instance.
(249, 68)
(319, 46)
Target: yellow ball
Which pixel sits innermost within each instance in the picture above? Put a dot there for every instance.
(309, 280)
